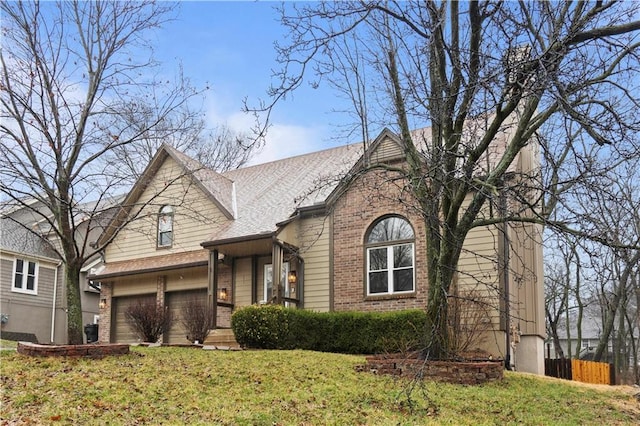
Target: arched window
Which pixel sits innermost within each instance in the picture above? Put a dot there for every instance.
(165, 227)
(390, 256)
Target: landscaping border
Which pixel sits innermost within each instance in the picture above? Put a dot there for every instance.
(458, 372)
(95, 350)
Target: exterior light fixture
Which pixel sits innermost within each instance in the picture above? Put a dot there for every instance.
(292, 277)
(103, 303)
(222, 294)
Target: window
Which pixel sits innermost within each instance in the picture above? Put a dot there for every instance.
(25, 277)
(268, 281)
(165, 227)
(390, 257)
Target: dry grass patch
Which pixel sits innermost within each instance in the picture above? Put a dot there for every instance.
(187, 386)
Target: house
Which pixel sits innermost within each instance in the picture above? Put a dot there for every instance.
(314, 231)
(32, 286)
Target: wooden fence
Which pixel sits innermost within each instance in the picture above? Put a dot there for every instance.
(580, 371)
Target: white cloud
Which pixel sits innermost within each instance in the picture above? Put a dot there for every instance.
(282, 140)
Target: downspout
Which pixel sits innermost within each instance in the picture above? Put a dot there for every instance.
(53, 304)
(505, 272)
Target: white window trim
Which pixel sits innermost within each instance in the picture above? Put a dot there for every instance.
(268, 272)
(25, 270)
(391, 269)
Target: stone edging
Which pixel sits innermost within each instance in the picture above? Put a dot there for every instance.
(460, 372)
(96, 350)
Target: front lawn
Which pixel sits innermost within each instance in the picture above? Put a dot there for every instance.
(193, 386)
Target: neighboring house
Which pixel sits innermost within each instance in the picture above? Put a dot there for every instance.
(32, 285)
(585, 348)
(296, 232)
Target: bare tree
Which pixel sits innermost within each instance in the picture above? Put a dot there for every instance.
(490, 79)
(77, 91)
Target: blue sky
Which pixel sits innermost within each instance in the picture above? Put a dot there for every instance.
(230, 46)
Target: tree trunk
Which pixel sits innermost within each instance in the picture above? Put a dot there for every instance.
(74, 304)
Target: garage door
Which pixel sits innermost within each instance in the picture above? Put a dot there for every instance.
(122, 333)
(175, 301)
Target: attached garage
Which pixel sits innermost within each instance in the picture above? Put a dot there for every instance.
(175, 301)
(121, 332)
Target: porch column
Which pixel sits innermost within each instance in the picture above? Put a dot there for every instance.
(212, 289)
(254, 280)
(276, 262)
(106, 312)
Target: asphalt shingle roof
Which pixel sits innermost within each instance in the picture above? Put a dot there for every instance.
(267, 194)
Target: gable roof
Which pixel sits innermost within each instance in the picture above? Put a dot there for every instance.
(270, 193)
(216, 187)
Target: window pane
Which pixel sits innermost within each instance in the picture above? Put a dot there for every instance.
(403, 280)
(32, 268)
(165, 223)
(378, 259)
(31, 282)
(390, 229)
(165, 239)
(403, 256)
(17, 277)
(17, 280)
(378, 282)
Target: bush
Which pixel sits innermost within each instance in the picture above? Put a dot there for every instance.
(276, 327)
(197, 318)
(263, 327)
(148, 319)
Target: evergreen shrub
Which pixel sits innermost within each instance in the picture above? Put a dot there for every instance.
(277, 327)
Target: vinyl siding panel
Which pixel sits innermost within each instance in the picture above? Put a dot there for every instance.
(28, 313)
(140, 284)
(478, 270)
(45, 281)
(387, 150)
(526, 279)
(187, 279)
(242, 285)
(196, 217)
(313, 237)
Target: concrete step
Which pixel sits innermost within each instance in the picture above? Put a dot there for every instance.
(221, 337)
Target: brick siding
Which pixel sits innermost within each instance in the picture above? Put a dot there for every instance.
(369, 197)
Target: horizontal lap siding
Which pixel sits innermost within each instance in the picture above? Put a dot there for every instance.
(314, 247)
(196, 217)
(526, 283)
(139, 284)
(28, 313)
(242, 285)
(187, 279)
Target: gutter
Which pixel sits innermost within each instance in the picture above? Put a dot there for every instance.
(53, 303)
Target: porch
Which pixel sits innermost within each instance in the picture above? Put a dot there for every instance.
(264, 270)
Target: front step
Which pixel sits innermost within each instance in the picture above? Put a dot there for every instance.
(221, 337)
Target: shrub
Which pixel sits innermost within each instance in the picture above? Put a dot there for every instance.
(148, 319)
(263, 327)
(197, 318)
(276, 327)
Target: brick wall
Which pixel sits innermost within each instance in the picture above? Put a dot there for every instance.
(376, 194)
(88, 351)
(104, 326)
(468, 373)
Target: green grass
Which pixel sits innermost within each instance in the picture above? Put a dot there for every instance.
(8, 344)
(190, 386)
